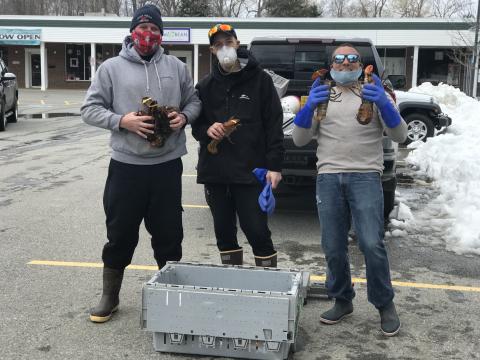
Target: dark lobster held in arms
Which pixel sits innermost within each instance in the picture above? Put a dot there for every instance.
(161, 121)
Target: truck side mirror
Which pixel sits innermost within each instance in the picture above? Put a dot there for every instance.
(398, 81)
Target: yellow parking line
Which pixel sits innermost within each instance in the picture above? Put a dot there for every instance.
(87, 264)
(42, 102)
(195, 206)
(411, 284)
(312, 277)
(66, 102)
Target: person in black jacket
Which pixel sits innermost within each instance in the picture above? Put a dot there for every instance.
(239, 88)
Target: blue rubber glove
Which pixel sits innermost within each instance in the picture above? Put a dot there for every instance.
(318, 94)
(266, 200)
(376, 94)
(261, 175)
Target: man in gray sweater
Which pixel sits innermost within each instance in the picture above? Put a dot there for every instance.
(350, 163)
(144, 182)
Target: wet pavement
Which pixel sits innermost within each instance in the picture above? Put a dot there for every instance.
(53, 169)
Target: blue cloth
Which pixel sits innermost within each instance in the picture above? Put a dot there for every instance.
(266, 200)
(376, 94)
(358, 196)
(318, 94)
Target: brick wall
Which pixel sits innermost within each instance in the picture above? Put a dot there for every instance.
(16, 63)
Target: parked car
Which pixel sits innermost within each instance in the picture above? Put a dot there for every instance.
(422, 114)
(8, 97)
(296, 59)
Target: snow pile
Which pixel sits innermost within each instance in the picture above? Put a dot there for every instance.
(453, 162)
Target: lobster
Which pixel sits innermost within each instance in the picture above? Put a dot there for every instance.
(322, 108)
(230, 126)
(161, 121)
(365, 112)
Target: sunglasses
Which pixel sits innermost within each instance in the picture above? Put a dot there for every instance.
(351, 58)
(216, 28)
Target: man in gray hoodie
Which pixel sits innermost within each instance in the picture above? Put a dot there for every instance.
(144, 182)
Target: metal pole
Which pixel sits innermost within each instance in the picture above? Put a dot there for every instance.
(475, 54)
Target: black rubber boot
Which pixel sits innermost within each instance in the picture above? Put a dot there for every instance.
(341, 309)
(232, 257)
(389, 321)
(112, 281)
(266, 261)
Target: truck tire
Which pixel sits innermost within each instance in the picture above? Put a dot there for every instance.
(419, 127)
(14, 115)
(3, 118)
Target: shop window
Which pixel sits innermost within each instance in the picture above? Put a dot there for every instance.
(77, 64)
(394, 61)
(106, 51)
(438, 65)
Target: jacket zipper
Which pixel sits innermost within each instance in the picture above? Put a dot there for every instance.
(227, 101)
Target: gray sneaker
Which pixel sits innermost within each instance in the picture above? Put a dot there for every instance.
(389, 321)
(341, 309)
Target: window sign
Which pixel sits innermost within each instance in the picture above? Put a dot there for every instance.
(438, 55)
(20, 37)
(176, 35)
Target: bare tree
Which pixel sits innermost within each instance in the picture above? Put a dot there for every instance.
(255, 8)
(410, 8)
(228, 8)
(338, 8)
(452, 8)
(371, 8)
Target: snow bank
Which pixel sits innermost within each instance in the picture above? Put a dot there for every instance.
(453, 162)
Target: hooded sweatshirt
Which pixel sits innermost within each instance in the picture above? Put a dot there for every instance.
(118, 87)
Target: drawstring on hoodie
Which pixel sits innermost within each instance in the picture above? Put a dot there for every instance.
(158, 76)
(148, 80)
(146, 75)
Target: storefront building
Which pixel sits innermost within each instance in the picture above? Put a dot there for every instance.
(64, 52)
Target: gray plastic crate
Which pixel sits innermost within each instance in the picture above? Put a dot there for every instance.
(233, 311)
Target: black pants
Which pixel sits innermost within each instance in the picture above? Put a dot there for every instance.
(228, 201)
(143, 192)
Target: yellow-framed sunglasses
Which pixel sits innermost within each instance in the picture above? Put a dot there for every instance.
(216, 28)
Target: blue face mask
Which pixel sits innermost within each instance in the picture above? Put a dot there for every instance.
(345, 77)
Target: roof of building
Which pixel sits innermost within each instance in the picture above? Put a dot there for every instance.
(242, 23)
(425, 32)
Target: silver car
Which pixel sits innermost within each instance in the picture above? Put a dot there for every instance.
(8, 97)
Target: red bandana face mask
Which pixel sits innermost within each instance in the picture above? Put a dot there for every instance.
(146, 42)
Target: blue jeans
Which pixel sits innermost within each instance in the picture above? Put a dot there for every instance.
(342, 197)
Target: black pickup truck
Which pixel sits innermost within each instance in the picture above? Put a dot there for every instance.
(296, 59)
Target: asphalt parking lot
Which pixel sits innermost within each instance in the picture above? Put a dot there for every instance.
(52, 172)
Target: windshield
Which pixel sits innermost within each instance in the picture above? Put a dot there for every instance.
(297, 62)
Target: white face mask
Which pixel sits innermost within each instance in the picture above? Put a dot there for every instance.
(227, 56)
